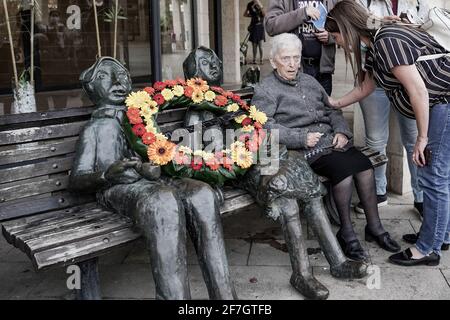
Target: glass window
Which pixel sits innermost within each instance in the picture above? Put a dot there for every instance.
(176, 36)
(66, 44)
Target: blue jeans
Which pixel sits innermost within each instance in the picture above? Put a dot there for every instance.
(376, 109)
(435, 181)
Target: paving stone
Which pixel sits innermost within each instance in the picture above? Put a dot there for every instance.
(255, 222)
(15, 255)
(446, 274)
(395, 284)
(269, 282)
(17, 280)
(265, 254)
(117, 256)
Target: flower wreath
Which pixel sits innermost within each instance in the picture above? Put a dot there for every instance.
(147, 140)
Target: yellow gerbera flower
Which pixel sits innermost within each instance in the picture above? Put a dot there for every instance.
(151, 128)
(198, 153)
(161, 137)
(198, 84)
(242, 157)
(248, 128)
(148, 111)
(167, 94)
(161, 152)
(185, 150)
(257, 115)
(210, 96)
(207, 156)
(236, 145)
(240, 118)
(153, 107)
(197, 96)
(138, 99)
(178, 90)
(233, 107)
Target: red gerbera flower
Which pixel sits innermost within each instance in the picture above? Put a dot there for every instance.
(159, 85)
(149, 90)
(188, 91)
(227, 164)
(257, 125)
(135, 120)
(139, 130)
(236, 98)
(220, 101)
(181, 158)
(148, 138)
(181, 81)
(218, 89)
(196, 164)
(213, 164)
(133, 112)
(228, 94)
(252, 145)
(247, 121)
(171, 83)
(159, 99)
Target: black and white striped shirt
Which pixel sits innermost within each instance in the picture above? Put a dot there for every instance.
(399, 45)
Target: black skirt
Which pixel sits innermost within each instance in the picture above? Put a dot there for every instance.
(337, 166)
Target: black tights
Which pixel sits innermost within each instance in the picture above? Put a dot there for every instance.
(257, 46)
(342, 193)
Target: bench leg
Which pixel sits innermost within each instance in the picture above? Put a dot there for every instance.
(90, 284)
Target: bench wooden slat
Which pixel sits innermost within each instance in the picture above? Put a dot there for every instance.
(94, 228)
(13, 227)
(28, 118)
(30, 187)
(33, 150)
(236, 203)
(83, 250)
(229, 192)
(41, 133)
(172, 115)
(171, 126)
(48, 166)
(36, 205)
(58, 223)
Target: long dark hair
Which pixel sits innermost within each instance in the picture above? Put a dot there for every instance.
(353, 21)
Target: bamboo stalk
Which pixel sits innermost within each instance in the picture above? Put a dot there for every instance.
(99, 48)
(11, 44)
(115, 28)
(32, 43)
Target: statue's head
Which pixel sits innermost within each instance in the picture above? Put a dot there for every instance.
(204, 63)
(107, 82)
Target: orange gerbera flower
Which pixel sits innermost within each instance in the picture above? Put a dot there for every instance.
(161, 152)
(198, 84)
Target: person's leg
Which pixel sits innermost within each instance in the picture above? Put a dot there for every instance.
(408, 132)
(342, 193)
(302, 279)
(255, 48)
(260, 46)
(375, 110)
(205, 228)
(434, 179)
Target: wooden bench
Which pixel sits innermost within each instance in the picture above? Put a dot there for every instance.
(57, 228)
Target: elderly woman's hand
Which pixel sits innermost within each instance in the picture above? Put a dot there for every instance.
(313, 138)
(340, 141)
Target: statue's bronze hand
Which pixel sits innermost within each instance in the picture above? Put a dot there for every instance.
(149, 171)
(123, 172)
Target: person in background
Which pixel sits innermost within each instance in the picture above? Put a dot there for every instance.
(319, 50)
(418, 89)
(255, 11)
(375, 110)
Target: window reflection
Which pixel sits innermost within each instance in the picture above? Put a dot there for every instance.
(176, 36)
(65, 45)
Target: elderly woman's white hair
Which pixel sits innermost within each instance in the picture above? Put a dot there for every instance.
(285, 41)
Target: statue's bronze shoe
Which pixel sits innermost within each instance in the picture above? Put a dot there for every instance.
(309, 287)
(349, 270)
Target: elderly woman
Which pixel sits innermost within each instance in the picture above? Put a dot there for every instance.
(297, 106)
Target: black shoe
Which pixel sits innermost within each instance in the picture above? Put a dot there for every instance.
(352, 249)
(384, 240)
(382, 200)
(349, 270)
(404, 258)
(412, 238)
(419, 208)
(310, 287)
